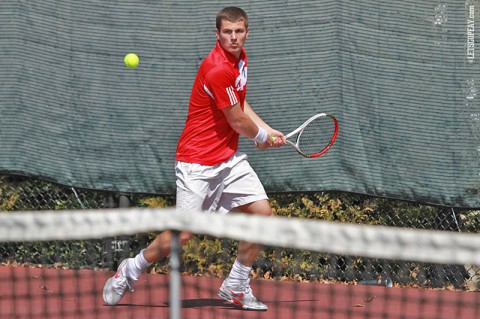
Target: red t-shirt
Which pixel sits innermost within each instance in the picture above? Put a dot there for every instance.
(221, 81)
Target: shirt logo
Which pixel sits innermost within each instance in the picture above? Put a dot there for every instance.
(241, 80)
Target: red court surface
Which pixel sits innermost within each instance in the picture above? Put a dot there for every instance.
(55, 293)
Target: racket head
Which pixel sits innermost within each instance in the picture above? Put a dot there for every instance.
(316, 136)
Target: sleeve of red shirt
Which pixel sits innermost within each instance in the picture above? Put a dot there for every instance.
(221, 83)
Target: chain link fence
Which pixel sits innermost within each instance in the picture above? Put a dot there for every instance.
(19, 193)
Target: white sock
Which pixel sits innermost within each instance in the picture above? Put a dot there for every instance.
(136, 266)
(239, 275)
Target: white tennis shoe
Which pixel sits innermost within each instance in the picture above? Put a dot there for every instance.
(116, 286)
(243, 297)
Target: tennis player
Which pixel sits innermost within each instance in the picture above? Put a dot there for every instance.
(211, 174)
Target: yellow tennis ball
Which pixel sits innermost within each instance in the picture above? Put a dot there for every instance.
(131, 60)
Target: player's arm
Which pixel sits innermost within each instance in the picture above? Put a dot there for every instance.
(255, 118)
(244, 125)
(279, 139)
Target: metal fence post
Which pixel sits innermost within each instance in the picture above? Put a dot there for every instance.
(108, 258)
(175, 278)
(115, 249)
(123, 242)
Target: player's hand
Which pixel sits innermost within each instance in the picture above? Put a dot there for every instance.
(278, 138)
(275, 139)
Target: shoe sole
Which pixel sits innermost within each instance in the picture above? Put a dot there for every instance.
(107, 291)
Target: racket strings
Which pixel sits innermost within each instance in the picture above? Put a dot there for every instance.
(316, 136)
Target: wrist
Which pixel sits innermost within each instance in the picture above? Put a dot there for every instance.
(261, 136)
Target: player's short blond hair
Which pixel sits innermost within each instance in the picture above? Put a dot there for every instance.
(232, 14)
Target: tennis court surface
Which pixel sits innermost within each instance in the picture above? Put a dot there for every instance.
(58, 291)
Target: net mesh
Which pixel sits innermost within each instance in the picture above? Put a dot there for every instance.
(307, 269)
(317, 136)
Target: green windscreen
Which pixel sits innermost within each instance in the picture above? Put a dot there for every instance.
(401, 77)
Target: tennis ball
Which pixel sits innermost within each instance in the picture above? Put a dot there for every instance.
(131, 60)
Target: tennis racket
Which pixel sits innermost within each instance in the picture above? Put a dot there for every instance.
(314, 137)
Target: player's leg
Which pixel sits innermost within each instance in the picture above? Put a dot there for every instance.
(189, 198)
(236, 287)
(160, 247)
(247, 193)
(248, 252)
(130, 269)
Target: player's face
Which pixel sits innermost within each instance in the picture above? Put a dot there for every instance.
(232, 36)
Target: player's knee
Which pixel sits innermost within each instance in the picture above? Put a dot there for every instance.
(266, 209)
(268, 212)
(261, 207)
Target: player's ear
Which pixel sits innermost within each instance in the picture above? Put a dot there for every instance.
(217, 35)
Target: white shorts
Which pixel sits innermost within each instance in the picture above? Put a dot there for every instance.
(218, 188)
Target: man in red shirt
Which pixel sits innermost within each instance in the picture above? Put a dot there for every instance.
(212, 175)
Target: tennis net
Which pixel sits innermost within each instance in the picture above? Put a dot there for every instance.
(54, 265)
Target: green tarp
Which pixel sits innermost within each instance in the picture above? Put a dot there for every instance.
(402, 78)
